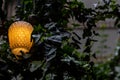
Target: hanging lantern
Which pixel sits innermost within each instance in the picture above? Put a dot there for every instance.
(19, 34)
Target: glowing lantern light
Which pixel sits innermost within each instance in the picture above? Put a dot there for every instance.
(19, 34)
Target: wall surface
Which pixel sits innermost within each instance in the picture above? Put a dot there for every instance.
(90, 3)
(106, 44)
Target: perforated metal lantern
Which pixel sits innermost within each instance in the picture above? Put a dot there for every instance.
(19, 34)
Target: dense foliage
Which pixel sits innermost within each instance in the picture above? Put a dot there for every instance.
(57, 54)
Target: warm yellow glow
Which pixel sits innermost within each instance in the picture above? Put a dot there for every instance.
(19, 34)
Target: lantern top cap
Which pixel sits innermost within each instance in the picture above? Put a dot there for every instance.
(21, 24)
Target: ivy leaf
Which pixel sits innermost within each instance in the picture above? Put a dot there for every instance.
(77, 35)
(86, 33)
(75, 40)
(96, 34)
(75, 45)
(88, 42)
(35, 65)
(51, 54)
(117, 21)
(56, 40)
(94, 55)
(87, 50)
(50, 26)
